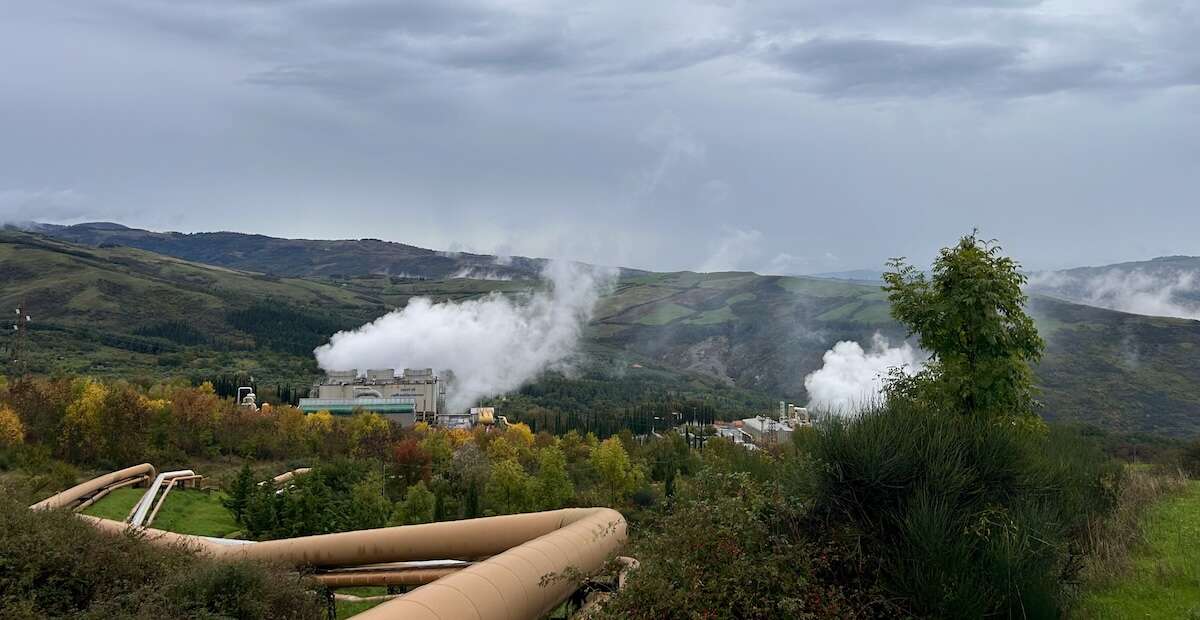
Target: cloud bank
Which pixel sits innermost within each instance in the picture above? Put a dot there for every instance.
(852, 378)
(1173, 294)
(491, 345)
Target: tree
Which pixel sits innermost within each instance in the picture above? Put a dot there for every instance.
(260, 517)
(42, 405)
(318, 427)
(618, 476)
(437, 444)
(81, 424)
(123, 425)
(198, 411)
(369, 507)
(419, 506)
(969, 314)
(508, 488)
(410, 462)
(240, 492)
(289, 426)
(469, 473)
(552, 487)
(368, 434)
(12, 431)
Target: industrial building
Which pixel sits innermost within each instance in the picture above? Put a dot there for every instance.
(765, 430)
(414, 396)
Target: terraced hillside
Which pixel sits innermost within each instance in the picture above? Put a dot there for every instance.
(118, 310)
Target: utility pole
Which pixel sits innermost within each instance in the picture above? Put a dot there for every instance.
(20, 329)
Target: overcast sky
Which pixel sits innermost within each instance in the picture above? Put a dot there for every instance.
(784, 136)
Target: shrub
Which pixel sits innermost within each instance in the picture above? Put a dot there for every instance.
(52, 564)
(966, 516)
(728, 549)
(1190, 459)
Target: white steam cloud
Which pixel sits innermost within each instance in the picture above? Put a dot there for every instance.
(1136, 291)
(491, 345)
(852, 378)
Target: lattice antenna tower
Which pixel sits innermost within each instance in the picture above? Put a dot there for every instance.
(20, 329)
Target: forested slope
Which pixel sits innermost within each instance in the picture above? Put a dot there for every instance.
(117, 310)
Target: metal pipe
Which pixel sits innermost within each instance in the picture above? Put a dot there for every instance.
(529, 563)
(109, 489)
(163, 498)
(527, 581)
(143, 505)
(350, 598)
(72, 496)
(287, 476)
(410, 577)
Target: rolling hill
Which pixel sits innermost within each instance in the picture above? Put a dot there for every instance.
(121, 310)
(1165, 286)
(300, 257)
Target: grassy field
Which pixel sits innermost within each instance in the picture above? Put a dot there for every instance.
(187, 511)
(1164, 581)
(346, 609)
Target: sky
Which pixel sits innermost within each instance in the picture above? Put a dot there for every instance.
(781, 136)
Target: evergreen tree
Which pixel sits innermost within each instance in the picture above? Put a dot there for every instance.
(240, 493)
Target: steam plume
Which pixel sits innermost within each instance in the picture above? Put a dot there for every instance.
(491, 345)
(852, 378)
(1174, 294)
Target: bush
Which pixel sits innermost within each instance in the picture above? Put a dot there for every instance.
(967, 517)
(729, 549)
(52, 564)
(1190, 459)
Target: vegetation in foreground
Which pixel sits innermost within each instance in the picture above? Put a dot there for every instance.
(55, 565)
(1162, 578)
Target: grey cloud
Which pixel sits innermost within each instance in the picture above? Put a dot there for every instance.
(537, 127)
(871, 66)
(683, 56)
(538, 50)
(42, 205)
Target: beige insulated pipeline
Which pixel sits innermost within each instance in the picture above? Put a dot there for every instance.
(527, 581)
(288, 476)
(144, 504)
(74, 495)
(532, 560)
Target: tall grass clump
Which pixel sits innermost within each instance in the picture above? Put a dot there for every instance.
(1112, 539)
(965, 516)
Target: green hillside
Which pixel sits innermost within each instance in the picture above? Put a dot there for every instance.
(300, 257)
(123, 311)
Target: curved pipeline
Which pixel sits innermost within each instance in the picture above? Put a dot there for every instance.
(287, 476)
(73, 496)
(526, 564)
(162, 499)
(143, 506)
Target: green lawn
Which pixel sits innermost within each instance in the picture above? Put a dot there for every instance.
(1164, 581)
(346, 609)
(187, 511)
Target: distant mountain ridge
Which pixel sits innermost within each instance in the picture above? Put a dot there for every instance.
(300, 257)
(1164, 286)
